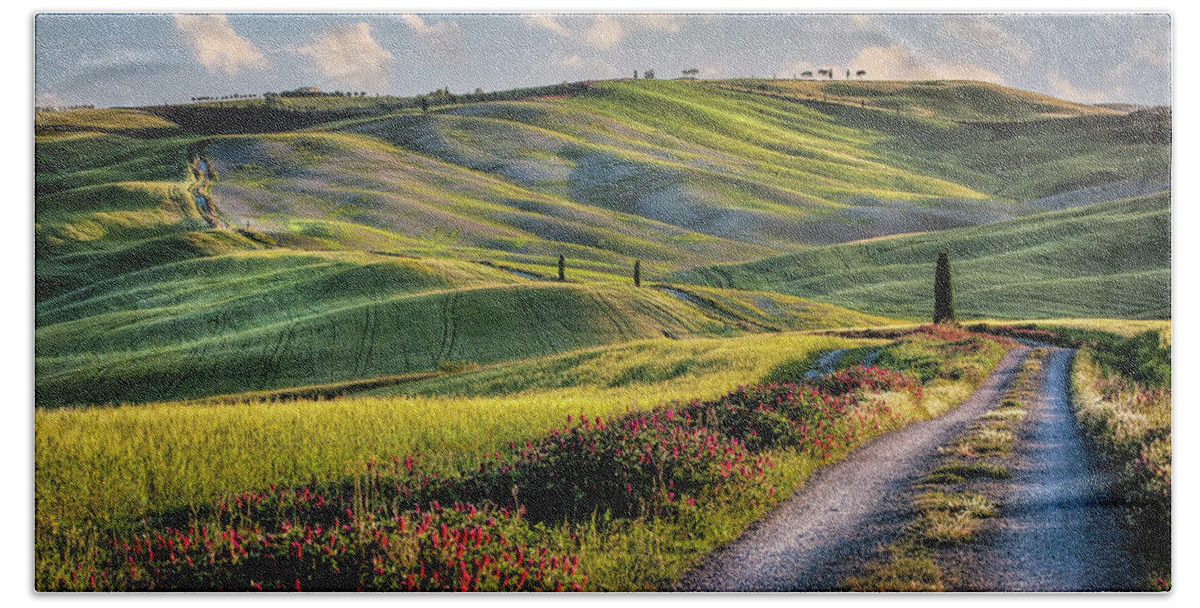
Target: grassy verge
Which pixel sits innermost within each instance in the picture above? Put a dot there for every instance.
(1130, 423)
(953, 501)
(600, 503)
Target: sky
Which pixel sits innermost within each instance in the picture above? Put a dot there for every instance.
(150, 59)
(146, 59)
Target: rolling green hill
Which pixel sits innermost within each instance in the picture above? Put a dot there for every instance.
(689, 172)
(273, 319)
(52, 125)
(1103, 260)
(943, 100)
(177, 258)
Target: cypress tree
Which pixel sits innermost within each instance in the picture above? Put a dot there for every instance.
(562, 268)
(943, 291)
(637, 273)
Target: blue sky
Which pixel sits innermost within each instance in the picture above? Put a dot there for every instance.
(144, 59)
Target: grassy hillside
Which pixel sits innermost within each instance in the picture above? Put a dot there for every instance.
(1104, 260)
(305, 186)
(273, 319)
(358, 263)
(943, 100)
(172, 265)
(1026, 159)
(682, 171)
(744, 167)
(71, 124)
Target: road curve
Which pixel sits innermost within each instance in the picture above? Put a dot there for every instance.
(840, 515)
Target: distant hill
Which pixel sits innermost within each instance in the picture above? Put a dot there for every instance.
(941, 100)
(1124, 108)
(686, 172)
(67, 124)
(175, 257)
(1102, 260)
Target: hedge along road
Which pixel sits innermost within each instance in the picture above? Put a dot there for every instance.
(844, 511)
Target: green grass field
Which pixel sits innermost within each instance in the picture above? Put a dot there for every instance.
(176, 454)
(1104, 260)
(273, 319)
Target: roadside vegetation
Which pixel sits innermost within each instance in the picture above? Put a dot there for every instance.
(629, 499)
(1126, 410)
(1121, 380)
(172, 455)
(953, 502)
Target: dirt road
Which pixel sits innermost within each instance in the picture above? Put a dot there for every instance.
(1058, 530)
(845, 510)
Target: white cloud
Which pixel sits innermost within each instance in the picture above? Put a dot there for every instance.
(216, 46)
(899, 63)
(444, 38)
(588, 67)
(659, 22)
(549, 22)
(351, 57)
(49, 100)
(862, 20)
(604, 32)
(440, 28)
(1155, 51)
(1064, 89)
(980, 32)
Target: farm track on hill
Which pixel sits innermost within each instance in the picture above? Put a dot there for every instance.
(844, 510)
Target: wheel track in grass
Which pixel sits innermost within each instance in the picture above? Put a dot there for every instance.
(845, 510)
(610, 313)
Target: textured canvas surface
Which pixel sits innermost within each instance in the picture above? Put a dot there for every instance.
(656, 302)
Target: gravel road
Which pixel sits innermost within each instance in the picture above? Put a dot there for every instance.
(1059, 530)
(844, 510)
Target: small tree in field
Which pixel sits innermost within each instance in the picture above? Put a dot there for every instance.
(637, 273)
(943, 291)
(562, 268)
